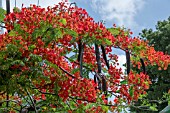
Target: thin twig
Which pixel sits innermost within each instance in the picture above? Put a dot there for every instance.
(68, 105)
(2, 26)
(146, 108)
(73, 4)
(79, 63)
(67, 73)
(117, 47)
(32, 101)
(92, 101)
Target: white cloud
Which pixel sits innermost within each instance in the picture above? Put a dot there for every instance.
(121, 11)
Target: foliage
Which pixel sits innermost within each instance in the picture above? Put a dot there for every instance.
(2, 16)
(159, 38)
(160, 79)
(49, 57)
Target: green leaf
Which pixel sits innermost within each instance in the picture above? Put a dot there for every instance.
(71, 32)
(19, 62)
(73, 40)
(12, 33)
(117, 91)
(104, 70)
(2, 14)
(16, 9)
(75, 70)
(11, 48)
(108, 42)
(31, 47)
(5, 67)
(17, 27)
(58, 33)
(131, 91)
(153, 108)
(36, 58)
(105, 108)
(63, 21)
(123, 82)
(114, 31)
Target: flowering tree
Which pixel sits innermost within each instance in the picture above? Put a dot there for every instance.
(158, 93)
(59, 59)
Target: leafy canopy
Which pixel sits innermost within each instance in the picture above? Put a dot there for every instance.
(160, 79)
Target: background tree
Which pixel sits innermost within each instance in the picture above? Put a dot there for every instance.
(59, 59)
(160, 40)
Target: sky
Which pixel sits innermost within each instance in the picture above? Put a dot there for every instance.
(131, 14)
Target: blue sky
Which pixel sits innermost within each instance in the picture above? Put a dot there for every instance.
(133, 14)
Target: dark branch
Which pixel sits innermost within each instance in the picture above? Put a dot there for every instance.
(67, 72)
(2, 26)
(92, 101)
(32, 101)
(73, 4)
(79, 63)
(146, 108)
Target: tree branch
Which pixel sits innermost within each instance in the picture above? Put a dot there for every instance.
(79, 63)
(69, 74)
(2, 26)
(32, 101)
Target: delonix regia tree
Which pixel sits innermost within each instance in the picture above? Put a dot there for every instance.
(158, 92)
(59, 59)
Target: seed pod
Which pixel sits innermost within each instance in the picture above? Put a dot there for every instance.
(79, 47)
(143, 65)
(128, 61)
(81, 60)
(98, 58)
(104, 56)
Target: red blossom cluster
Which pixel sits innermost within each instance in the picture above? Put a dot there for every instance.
(69, 25)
